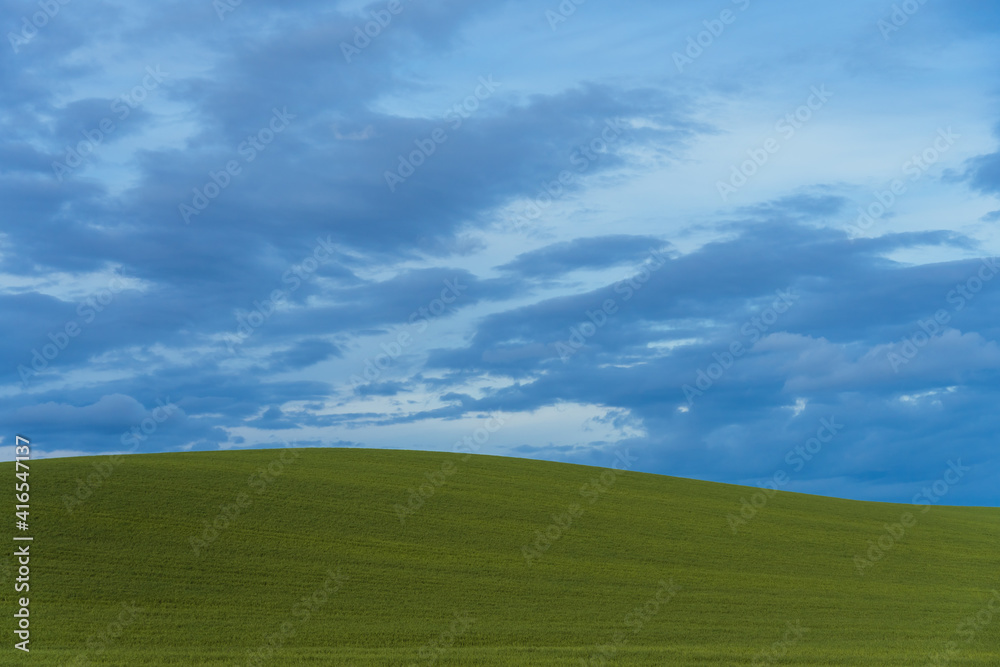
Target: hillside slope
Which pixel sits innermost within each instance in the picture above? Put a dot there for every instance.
(316, 562)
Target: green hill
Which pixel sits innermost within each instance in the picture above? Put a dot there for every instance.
(509, 562)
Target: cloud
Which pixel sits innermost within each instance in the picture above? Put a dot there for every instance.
(829, 349)
(303, 354)
(496, 209)
(597, 252)
(983, 173)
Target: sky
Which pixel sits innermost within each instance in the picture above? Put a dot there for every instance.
(736, 241)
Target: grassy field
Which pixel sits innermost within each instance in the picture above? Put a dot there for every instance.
(313, 560)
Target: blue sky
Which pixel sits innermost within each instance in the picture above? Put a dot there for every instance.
(699, 232)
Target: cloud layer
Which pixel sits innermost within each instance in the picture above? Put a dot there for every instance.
(316, 224)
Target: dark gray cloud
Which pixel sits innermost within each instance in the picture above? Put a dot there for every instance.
(303, 354)
(597, 252)
(831, 350)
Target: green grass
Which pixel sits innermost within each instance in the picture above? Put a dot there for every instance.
(402, 584)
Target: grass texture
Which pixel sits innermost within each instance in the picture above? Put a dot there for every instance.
(332, 557)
